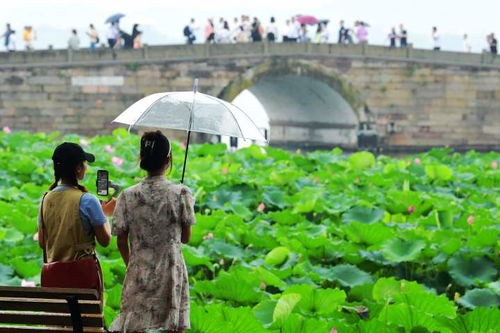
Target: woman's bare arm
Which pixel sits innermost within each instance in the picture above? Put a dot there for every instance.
(103, 234)
(41, 241)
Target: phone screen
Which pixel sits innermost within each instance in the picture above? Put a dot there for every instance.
(102, 182)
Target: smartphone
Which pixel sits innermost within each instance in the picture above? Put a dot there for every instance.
(102, 182)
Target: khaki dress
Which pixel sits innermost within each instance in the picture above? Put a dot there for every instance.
(155, 292)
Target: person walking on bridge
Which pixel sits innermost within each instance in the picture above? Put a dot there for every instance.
(28, 37)
(74, 41)
(403, 36)
(493, 44)
(342, 33)
(436, 39)
(6, 35)
(93, 37)
(467, 46)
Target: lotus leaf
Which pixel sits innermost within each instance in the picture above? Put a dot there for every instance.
(467, 271)
(480, 297)
(399, 250)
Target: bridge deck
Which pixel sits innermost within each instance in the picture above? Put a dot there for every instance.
(166, 53)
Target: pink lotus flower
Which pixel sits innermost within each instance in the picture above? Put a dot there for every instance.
(494, 164)
(224, 171)
(261, 207)
(109, 149)
(470, 220)
(84, 142)
(262, 285)
(417, 160)
(183, 145)
(35, 236)
(6, 129)
(208, 236)
(117, 161)
(26, 283)
(411, 209)
(334, 330)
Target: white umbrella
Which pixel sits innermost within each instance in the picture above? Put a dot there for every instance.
(193, 112)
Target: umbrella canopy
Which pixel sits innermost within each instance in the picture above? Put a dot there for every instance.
(114, 18)
(307, 19)
(193, 112)
(190, 111)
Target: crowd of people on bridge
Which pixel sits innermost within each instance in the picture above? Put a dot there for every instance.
(305, 29)
(116, 38)
(296, 29)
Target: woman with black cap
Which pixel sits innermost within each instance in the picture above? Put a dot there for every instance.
(70, 220)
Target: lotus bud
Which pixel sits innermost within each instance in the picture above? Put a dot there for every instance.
(109, 149)
(261, 207)
(411, 209)
(6, 129)
(221, 262)
(333, 330)
(416, 160)
(494, 164)
(263, 285)
(456, 297)
(183, 145)
(224, 171)
(470, 220)
(84, 142)
(26, 283)
(208, 236)
(35, 236)
(117, 161)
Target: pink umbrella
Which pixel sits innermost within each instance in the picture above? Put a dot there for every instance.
(306, 19)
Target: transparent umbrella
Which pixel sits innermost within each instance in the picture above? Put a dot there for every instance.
(193, 112)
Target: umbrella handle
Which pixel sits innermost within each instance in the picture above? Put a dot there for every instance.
(195, 86)
(185, 157)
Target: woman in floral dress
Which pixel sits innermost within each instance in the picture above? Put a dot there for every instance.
(155, 218)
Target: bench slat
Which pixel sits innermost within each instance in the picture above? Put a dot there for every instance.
(32, 329)
(47, 305)
(54, 293)
(39, 318)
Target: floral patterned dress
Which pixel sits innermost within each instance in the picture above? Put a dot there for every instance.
(155, 292)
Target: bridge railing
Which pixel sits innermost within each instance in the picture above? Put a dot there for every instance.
(200, 51)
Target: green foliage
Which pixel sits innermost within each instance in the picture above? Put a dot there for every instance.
(471, 271)
(289, 242)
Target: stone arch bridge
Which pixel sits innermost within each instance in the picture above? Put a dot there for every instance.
(315, 95)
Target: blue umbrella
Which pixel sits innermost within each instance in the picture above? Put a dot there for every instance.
(114, 18)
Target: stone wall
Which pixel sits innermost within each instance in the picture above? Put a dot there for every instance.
(415, 98)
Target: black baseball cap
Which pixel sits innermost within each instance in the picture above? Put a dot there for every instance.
(69, 153)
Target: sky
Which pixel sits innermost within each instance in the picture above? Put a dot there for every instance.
(162, 21)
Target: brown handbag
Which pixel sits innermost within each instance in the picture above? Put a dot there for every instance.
(83, 273)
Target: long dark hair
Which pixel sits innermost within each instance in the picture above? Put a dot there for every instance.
(68, 173)
(156, 151)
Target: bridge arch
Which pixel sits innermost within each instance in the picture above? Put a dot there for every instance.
(304, 102)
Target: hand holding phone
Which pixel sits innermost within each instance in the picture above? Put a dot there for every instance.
(108, 207)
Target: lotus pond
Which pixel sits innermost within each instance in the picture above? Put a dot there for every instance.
(289, 242)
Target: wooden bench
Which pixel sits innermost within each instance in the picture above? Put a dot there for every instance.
(50, 310)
